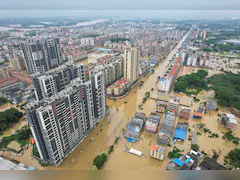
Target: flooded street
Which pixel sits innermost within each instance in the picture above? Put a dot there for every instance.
(119, 115)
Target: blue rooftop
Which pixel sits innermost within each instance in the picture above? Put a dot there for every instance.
(31, 168)
(178, 162)
(180, 134)
(187, 160)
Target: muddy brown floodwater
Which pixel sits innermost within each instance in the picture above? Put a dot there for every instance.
(16, 126)
(120, 113)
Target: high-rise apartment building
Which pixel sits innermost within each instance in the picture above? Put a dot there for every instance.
(42, 55)
(131, 57)
(55, 80)
(99, 95)
(61, 122)
(113, 67)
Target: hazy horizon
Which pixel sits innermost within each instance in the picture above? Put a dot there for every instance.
(141, 14)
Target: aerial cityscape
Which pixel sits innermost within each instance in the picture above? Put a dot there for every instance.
(119, 93)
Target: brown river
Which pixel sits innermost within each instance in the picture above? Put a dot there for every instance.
(98, 140)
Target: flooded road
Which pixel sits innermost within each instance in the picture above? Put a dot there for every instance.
(82, 157)
(119, 115)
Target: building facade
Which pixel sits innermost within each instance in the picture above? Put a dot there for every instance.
(99, 92)
(61, 122)
(42, 55)
(18, 63)
(50, 83)
(185, 113)
(131, 58)
(158, 152)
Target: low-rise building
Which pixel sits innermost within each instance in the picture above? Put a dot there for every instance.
(161, 106)
(115, 45)
(143, 67)
(119, 88)
(152, 122)
(76, 55)
(210, 164)
(229, 121)
(18, 63)
(211, 106)
(12, 164)
(13, 92)
(185, 113)
(200, 108)
(173, 105)
(134, 127)
(164, 134)
(197, 115)
(3, 73)
(166, 82)
(181, 163)
(158, 152)
(181, 131)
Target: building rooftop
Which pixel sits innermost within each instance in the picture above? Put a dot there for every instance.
(211, 164)
(180, 134)
(6, 164)
(185, 109)
(162, 103)
(198, 114)
(233, 121)
(154, 147)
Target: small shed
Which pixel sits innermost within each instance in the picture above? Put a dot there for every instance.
(194, 137)
(197, 115)
(211, 106)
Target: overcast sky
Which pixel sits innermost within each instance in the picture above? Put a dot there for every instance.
(54, 8)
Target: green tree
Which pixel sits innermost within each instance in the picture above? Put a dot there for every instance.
(147, 94)
(3, 100)
(233, 157)
(195, 147)
(116, 140)
(202, 73)
(8, 117)
(110, 149)
(100, 160)
(180, 86)
(207, 49)
(94, 167)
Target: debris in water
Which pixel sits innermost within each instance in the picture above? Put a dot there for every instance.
(73, 160)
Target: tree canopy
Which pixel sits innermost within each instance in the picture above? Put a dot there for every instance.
(9, 117)
(191, 81)
(233, 157)
(195, 147)
(118, 39)
(227, 89)
(3, 100)
(21, 136)
(100, 160)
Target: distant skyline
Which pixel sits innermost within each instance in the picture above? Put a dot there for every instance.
(141, 14)
(119, 5)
